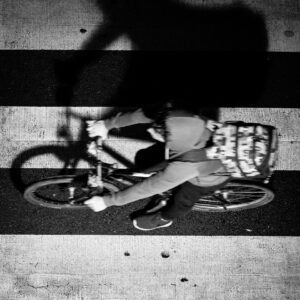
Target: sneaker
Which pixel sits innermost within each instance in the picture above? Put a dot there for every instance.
(151, 221)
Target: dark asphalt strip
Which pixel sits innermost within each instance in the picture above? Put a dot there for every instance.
(278, 218)
(136, 78)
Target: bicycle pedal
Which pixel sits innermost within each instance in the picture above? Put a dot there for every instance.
(71, 191)
(157, 207)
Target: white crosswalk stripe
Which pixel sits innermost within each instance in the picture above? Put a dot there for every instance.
(26, 127)
(47, 29)
(148, 267)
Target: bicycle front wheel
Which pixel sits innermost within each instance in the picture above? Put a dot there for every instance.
(235, 196)
(64, 192)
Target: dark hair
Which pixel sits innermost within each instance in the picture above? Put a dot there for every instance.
(158, 113)
(161, 116)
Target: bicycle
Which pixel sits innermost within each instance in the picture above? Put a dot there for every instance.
(71, 191)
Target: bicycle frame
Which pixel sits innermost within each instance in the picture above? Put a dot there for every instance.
(218, 195)
(98, 180)
(106, 178)
(99, 163)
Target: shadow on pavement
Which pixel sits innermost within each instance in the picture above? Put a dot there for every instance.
(194, 55)
(197, 57)
(69, 154)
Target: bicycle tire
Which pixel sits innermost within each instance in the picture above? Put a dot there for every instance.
(261, 196)
(31, 195)
(62, 153)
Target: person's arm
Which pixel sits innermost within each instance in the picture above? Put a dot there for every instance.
(173, 175)
(127, 119)
(102, 127)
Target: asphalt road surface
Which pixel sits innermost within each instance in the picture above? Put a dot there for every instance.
(278, 218)
(126, 78)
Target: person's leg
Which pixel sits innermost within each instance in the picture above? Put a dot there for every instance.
(184, 198)
(146, 158)
(182, 202)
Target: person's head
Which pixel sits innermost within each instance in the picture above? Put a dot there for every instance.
(179, 129)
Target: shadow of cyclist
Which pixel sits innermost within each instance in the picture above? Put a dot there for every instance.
(198, 57)
(175, 25)
(69, 155)
(225, 61)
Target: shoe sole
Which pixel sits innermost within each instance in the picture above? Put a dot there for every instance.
(143, 229)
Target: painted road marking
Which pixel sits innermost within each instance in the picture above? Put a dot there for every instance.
(149, 267)
(59, 26)
(24, 128)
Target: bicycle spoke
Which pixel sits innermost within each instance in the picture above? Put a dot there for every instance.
(232, 196)
(247, 194)
(60, 193)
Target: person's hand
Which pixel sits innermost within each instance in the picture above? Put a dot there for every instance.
(97, 128)
(156, 135)
(96, 203)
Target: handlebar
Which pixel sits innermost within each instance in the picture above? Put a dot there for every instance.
(99, 142)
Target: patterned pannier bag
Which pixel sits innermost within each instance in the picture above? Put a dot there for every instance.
(247, 150)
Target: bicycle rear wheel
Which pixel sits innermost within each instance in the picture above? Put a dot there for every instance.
(65, 192)
(235, 196)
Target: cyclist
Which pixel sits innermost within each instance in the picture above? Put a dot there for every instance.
(178, 132)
